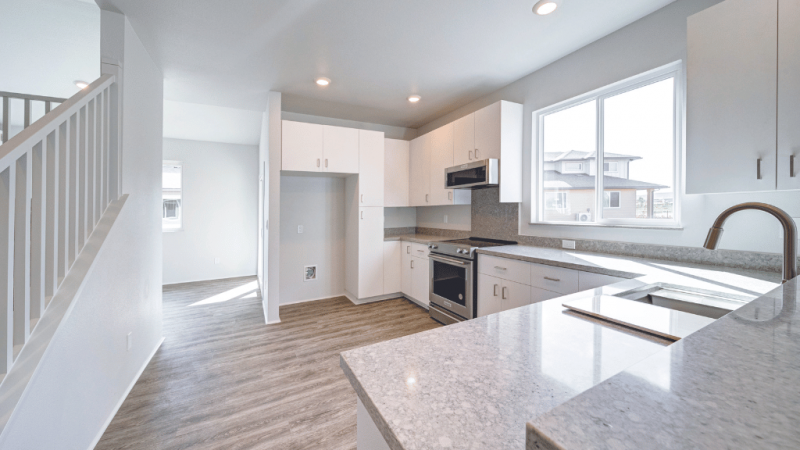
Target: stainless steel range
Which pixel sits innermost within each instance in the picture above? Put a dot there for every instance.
(454, 277)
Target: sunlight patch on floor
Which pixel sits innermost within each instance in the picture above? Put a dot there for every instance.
(249, 290)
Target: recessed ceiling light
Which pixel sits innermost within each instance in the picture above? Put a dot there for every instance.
(321, 81)
(414, 98)
(81, 84)
(545, 7)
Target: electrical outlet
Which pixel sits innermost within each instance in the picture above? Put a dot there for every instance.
(216, 260)
(130, 340)
(299, 229)
(445, 218)
(568, 244)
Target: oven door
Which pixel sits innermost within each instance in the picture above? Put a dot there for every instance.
(451, 284)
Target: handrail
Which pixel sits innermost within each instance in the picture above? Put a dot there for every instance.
(27, 113)
(36, 98)
(57, 177)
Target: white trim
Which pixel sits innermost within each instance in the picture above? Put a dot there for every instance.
(124, 397)
(328, 297)
(675, 70)
(380, 298)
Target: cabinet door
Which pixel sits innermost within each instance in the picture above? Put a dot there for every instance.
(489, 289)
(370, 252)
(513, 295)
(464, 140)
(406, 271)
(419, 179)
(487, 132)
(441, 159)
(340, 149)
(301, 146)
(392, 267)
(540, 295)
(370, 168)
(420, 281)
(731, 109)
(395, 170)
(789, 95)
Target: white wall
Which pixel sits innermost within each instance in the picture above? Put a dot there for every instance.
(459, 217)
(399, 217)
(211, 123)
(86, 373)
(389, 131)
(270, 159)
(318, 204)
(653, 41)
(220, 200)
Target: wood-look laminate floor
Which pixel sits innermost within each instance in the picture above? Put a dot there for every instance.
(223, 379)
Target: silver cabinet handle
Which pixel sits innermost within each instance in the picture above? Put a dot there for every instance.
(500, 268)
(758, 169)
(408, 249)
(426, 197)
(505, 290)
(362, 198)
(476, 153)
(470, 155)
(421, 251)
(412, 263)
(317, 162)
(326, 163)
(362, 215)
(791, 166)
(495, 290)
(552, 279)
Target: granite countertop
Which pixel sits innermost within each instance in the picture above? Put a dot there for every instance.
(495, 381)
(418, 238)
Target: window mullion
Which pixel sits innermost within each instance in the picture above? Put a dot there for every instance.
(599, 145)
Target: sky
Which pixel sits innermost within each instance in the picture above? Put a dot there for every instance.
(638, 122)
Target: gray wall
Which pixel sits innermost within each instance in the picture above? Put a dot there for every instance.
(389, 131)
(318, 204)
(220, 202)
(86, 372)
(653, 41)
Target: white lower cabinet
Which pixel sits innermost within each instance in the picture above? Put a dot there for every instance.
(540, 295)
(405, 272)
(420, 280)
(370, 256)
(392, 267)
(496, 295)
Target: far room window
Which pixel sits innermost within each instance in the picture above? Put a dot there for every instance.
(612, 199)
(555, 201)
(171, 196)
(629, 129)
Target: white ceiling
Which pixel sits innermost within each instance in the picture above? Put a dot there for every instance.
(211, 123)
(377, 52)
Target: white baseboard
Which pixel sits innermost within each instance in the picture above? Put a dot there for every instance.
(381, 298)
(327, 297)
(127, 391)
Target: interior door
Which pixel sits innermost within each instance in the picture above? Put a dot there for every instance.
(370, 175)
(441, 159)
(301, 146)
(789, 95)
(464, 140)
(340, 149)
(731, 114)
(419, 181)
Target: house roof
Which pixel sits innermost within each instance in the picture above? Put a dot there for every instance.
(568, 181)
(577, 155)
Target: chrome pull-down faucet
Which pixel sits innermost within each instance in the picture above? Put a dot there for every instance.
(789, 233)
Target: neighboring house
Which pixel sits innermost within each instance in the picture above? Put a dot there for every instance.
(569, 184)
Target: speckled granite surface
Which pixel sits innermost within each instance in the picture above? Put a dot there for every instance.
(416, 237)
(733, 384)
(477, 384)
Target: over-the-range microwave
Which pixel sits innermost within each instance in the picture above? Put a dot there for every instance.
(474, 175)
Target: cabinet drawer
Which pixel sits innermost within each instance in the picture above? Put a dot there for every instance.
(555, 279)
(507, 269)
(419, 250)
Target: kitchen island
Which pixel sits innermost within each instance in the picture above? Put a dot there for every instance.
(502, 380)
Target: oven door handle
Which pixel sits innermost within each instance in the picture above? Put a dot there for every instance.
(448, 260)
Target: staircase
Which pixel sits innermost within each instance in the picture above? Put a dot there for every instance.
(59, 176)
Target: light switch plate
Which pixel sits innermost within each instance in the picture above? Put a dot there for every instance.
(216, 260)
(130, 341)
(299, 229)
(568, 244)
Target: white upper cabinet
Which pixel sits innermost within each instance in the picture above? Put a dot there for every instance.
(441, 159)
(488, 125)
(396, 170)
(742, 108)
(464, 140)
(340, 149)
(789, 95)
(301, 147)
(371, 166)
(419, 180)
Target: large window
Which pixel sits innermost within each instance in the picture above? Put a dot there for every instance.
(171, 196)
(629, 133)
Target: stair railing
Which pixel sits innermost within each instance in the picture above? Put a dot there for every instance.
(28, 102)
(57, 176)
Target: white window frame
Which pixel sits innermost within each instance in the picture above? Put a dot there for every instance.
(183, 204)
(619, 197)
(616, 167)
(673, 70)
(566, 201)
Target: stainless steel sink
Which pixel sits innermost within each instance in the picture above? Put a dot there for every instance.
(691, 300)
